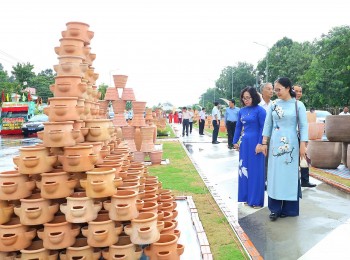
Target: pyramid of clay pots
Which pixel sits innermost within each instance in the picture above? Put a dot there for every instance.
(80, 194)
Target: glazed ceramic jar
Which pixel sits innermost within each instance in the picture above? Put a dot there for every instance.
(120, 80)
(78, 158)
(63, 109)
(81, 250)
(100, 182)
(145, 229)
(59, 134)
(80, 209)
(165, 248)
(15, 186)
(6, 211)
(37, 251)
(99, 130)
(58, 233)
(15, 236)
(123, 205)
(34, 160)
(123, 249)
(102, 231)
(35, 210)
(68, 86)
(55, 185)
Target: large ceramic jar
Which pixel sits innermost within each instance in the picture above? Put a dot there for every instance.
(324, 154)
(59, 134)
(165, 248)
(99, 130)
(145, 229)
(123, 205)
(337, 128)
(63, 109)
(37, 251)
(34, 160)
(35, 210)
(58, 233)
(15, 186)
(100, 182)
(81, 250)
(123, 248)
(80, 208)
(78, 158)
(6, 212)
(102, 231)
(15, 236)
(55, 185)
(120, 80)
(68, 86)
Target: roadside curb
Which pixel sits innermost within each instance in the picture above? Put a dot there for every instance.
(334, 184)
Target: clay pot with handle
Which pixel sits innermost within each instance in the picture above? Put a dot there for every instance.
(68, 86)
(6, 212)
(123, 248)
(59, 134)
(63, 109)
(15, 186)
(81, 250)
(37, 251)
(165, 248)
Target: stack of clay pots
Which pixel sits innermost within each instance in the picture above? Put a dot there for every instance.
(80, 194)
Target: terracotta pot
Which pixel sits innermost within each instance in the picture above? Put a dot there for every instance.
(100, 182)
(99, 130)
(55, 185)
(156, 157)
(71, 68)
(34, 160)
(14, 186)
(123, 248)
(139, 107)
(68, 86)
(63, 109)
(119, 120)
(8, 256)
(70, 46)
(59, 134)
(120, 81)
(169, 228)
(145, 229)
(138, 120)
(324, 154)
(90, 58)
(6, 212)
(81, 250)
(111, 94)
(79, 30)
(58, 233)
(316, 131)
(35, 210)
(150, 207)
(147, 144)
(165, 248)
(96, 149)
(80, 208)
(37, 251)
(78, 158)
(139, 156)
(102, 231)
(123, 205)
(128, 94)
(337, 128)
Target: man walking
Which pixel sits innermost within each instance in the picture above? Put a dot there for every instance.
(231, 116)
(191, 119)
(185, 121)
(216, 117)
(201, 121)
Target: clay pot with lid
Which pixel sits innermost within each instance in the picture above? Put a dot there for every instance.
(58, 233)
(123, 249)
(102, 231)
(78, 158)
(165, 248)
(63, 109)
(34, 160)
(99, 130)
(123, 205)
(36, 250)
(59, 134)
(55, 185)
(68, 86)
(35, 210)
(81, 250)
(120, 80)
(14, 186)
(15, 236)
(6, 212)
(100, 182)
(80, 209)
(145, 229)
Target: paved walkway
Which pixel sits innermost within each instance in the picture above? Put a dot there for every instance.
(322, 230)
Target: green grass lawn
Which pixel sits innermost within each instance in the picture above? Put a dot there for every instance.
(183, 179)
(169, 131)
(210, 131)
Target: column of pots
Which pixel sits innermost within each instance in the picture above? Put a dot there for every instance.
(119, 108)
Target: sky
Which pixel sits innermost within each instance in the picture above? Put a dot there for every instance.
(171, 50)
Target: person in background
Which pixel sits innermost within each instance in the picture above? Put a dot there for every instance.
(191, 119)
(216, 117)
(185, 121)
(180, 117)
(345, 111)
(176, 117)
(251, 180)
(231, 116)
(285, 148)
(266, 91)
(304, 166)
(201, 121)
(170, 117)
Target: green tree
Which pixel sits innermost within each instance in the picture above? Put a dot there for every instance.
(42, 84)
(102, 88)
(23, 73)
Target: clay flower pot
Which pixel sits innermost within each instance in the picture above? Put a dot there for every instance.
(156, 157)
(169, 228)
(145, 229)
(119, 106)
(15, 186)
(80, 208)
(120, 81)
(59, 134)
(63, 109)
(123, 205)
(70, 46)
(119, 120)
(35, 210)
(139, 156)
(81, 250)
(99, 130)
(165, 248)
(37, 251)
(111, 94)
(96, 149)
(138, 120)
(150, 207)
(102, 231)
(71, 69)
(58, 233)
(55, 185)
(123, 248)
(139, 107)
(324, 154)
(337, 128)
(128, 94)
(78, 30)
(6, 212)
(78, 158)
(68, 86)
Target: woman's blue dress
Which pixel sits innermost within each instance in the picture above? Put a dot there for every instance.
(251, 180)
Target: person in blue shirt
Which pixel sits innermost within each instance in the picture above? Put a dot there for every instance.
(231, 116)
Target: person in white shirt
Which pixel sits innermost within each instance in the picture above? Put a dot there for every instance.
(201, 121)
(345, 111)
(185, 121)
(191, 119)
(266, 91)
(216, 117)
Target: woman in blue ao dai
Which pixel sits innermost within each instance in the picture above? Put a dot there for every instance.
(250, 123)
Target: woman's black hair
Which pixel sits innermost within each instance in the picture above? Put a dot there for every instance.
(286, 83)
(253, 93)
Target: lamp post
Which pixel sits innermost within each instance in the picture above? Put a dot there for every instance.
(267, 60)
(232, 85)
